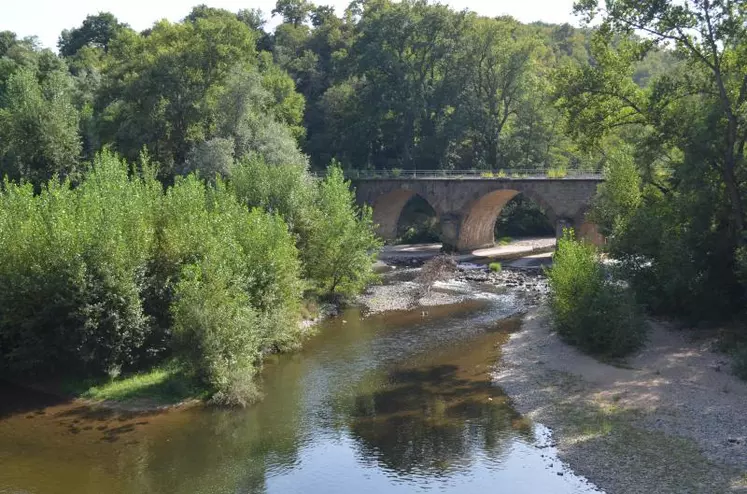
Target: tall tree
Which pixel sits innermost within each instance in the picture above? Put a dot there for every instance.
(712, 36)
(97, 31)
(38, 128)
(497, 66)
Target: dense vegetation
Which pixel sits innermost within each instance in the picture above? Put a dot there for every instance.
(672, 206)
(156, 210)
(158, 204)
(590, 309)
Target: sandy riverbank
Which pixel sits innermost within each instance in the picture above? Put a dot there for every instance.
(670, 421)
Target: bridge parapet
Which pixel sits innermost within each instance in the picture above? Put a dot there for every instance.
(514, 174)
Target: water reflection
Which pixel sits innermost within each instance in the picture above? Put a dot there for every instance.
(389, 403)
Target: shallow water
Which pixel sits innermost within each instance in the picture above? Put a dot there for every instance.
(396, 402)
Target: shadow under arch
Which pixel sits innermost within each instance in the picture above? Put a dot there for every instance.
(388, 207)
(478, 227)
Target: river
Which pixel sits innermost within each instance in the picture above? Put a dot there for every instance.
(394, 402)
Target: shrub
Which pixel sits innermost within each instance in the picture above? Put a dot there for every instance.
(501, 174)
(338, 254)
(591, 311)
(495, 267)
(116, 275)
(238, 287)
(73, 272)
(396, 172)
(487, 175)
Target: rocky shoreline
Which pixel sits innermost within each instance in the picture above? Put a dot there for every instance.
(667, 422)
(407, 294)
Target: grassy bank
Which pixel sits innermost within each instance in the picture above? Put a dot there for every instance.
(164, 385)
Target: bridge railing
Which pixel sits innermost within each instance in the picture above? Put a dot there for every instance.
(518, 174)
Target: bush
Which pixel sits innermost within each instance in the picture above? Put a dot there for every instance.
(238, 288)
(495, 267)
(339, 252)
(335, 238)
(591, 311)
(558, 172)
(73, 271)
(114, 275)
(396, 172)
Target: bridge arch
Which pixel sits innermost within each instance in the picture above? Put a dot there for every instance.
(388, 207)
(478, 225)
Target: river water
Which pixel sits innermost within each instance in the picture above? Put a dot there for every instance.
(394, 402)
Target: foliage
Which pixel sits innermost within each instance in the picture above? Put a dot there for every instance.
(590, 310)
(210, 159)
(559, 172)
(521, 217)
(97, 31)
(116, 275)
(38, 127)
(341, 245)
(73, 267)
(495, 267)
(673, 202)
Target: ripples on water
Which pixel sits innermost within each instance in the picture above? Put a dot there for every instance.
(395, 402)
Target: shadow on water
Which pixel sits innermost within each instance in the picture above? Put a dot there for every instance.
(388, 403)
(17, 400)
(433, 418)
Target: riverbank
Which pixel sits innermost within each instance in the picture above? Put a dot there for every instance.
(670, 421)
(164, 387)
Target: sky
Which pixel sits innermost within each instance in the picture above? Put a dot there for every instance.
(47, 18)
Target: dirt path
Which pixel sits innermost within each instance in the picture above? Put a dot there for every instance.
(672, 421)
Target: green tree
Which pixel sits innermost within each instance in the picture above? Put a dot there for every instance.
(339, 253)
(161, 90)
(38, 128)
(498, 66)
(710, 35)
(96, 31)
(294, 12)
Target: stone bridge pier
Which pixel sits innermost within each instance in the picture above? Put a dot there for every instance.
(468, 208)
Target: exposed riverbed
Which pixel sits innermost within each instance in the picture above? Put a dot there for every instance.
(393, 401)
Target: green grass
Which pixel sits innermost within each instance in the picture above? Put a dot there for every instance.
(496, 267)
(504, 241)
(162, 386)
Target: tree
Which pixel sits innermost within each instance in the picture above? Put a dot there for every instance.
(341, 245)
(497, 65)
(97, 31)
(293, 12)
(161, 90)
(712, 36)
(38, 128)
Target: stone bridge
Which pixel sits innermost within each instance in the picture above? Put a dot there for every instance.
(468, 208)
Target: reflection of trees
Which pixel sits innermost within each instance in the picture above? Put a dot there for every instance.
(432, 421)
(226, 451)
